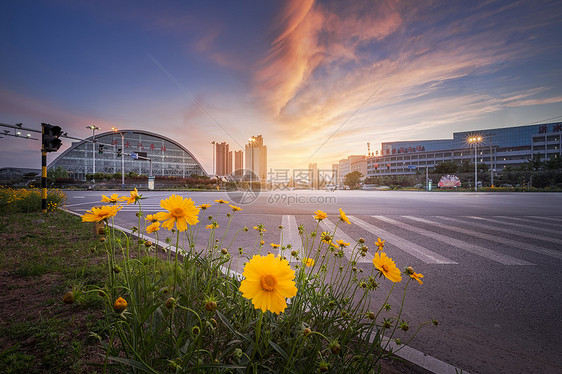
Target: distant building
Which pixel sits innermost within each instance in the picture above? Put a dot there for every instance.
(360, 166)
(238, 163)
(335, 174)
(314, 176)
(223, 160)
(499, 148)
(344, 167)
(8, 175)
(256, 157)
(167, 157)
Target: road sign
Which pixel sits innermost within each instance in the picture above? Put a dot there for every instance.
(134, 156)
(411, 166)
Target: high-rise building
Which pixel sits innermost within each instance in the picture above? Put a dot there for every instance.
(223, 159)
(256, 157)
(314, 180)
(238, 162)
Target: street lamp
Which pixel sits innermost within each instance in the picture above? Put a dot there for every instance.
(93, 128)
(475, 140)
(122, 156)
(252, 141)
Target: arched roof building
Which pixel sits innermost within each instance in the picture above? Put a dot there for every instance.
(168, 157)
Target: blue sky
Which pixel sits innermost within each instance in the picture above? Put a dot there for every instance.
(318, 79)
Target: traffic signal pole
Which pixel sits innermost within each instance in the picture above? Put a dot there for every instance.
(43, 173)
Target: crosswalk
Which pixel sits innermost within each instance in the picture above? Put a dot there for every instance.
(504, 240)
(444, 230)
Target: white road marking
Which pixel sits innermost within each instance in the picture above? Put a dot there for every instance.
(525, 225)
(327, 225)
(512, 243)
(472, 248)
(290, 235)
(514, 232)
(558, 220)
(413, 249)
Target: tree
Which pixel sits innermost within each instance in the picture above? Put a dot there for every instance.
(58, 173)
(466, 167)
(353, 179)
(446, 167)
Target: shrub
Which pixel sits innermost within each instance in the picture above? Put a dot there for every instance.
(28, 200)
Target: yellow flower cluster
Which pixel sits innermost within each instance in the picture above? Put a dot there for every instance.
(28, 199)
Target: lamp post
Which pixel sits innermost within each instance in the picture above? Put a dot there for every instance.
(93, 128)
(252, 140)
(475, 140)
(122, 156)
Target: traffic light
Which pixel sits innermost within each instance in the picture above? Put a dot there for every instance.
(100, 149)
(376, 166)
(387, 166)
(50, 137)
(119, 150)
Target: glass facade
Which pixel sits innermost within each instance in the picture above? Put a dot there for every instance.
(499, 148)
(167, 157)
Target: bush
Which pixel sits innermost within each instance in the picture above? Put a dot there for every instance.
(28, 200)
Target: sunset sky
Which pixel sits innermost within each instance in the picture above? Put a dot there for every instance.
(318, 79)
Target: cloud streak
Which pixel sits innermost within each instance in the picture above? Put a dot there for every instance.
(326, 61)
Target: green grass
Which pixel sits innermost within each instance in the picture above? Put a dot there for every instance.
(43, 256)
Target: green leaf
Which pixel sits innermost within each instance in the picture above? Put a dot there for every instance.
(132, 363)
(279, 349)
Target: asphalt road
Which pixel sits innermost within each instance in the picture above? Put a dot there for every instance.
(492, 262)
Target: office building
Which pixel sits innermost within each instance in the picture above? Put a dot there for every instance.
(498, 148)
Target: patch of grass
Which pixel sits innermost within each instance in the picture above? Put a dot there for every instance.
(42, 257)
(13, 361)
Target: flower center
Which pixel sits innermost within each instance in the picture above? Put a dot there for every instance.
(385, 268)
(177, 212)
(268, 282)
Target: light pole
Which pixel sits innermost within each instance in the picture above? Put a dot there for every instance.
(475, 140)
(252, 140)
(122, 156)
(93, 128)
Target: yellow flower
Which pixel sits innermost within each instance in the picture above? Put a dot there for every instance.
(204, 206)
(180, 212)
(387, 267)
(260, 228)
(380, 243)
(308, 261)
(151, 217)
(342, 243)
(320, 215)
(98, 214)
(235, 208)
(262, 242)
(326, 237)
(273, 245)
(414, 275)
(113, 199)
(221, 201)
(133, 198)
(343, 217)
(268, 282)
(120, 305)
(153, 227)
(212, 225)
